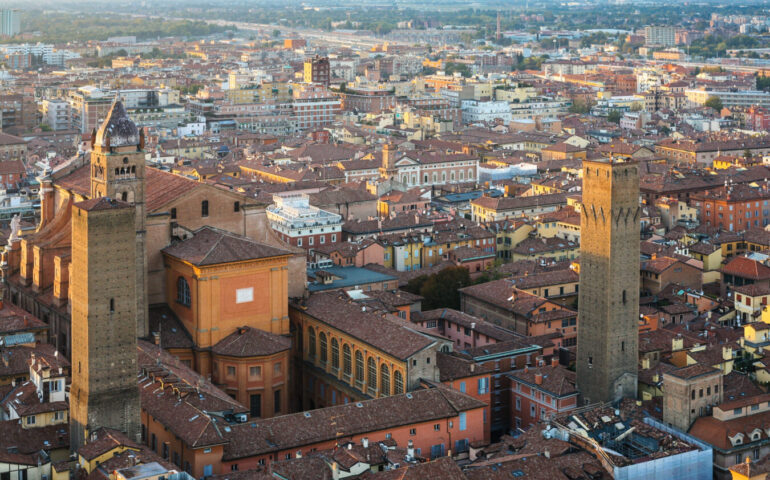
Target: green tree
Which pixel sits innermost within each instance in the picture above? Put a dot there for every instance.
(715, 103)
(276, 33)
(441, 289)
(614, 116)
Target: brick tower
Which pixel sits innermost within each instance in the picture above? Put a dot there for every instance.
(107, 286)
(104, 390)
(608, 306)
(117, 171)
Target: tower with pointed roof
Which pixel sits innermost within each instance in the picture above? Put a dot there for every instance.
(117, 171)
(107, 284)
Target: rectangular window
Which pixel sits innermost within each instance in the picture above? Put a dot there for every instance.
(437, 427)
(255, 373)
(277, 402)
(30, 420)
(334, 237)
(236, 206)
(277, 370)
(483, 386)
(463, 424)
(244, 295)
(255, 405)
(230, 371)
(462, 387)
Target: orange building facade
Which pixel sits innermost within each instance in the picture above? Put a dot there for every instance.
(229, 293)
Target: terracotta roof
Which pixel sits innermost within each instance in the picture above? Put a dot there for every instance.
(102, 203)
(693, 371)
(379, 330)
(251, 342)
(443, 468)
(518, 203)
(326, 424)
(717, 432)
(556, 380)
(212, 246)
(106, 439)
(746, 268)
(160, 188)
(465, 320)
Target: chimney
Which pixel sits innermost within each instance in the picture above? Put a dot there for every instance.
(335, 469)
(365, 442)
(156, 338)
(298, 454)
(410, 450)
(554, 361)
(538, 378)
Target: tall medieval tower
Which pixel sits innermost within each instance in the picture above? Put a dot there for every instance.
(608, 307)
(108, 294)
(117, 171)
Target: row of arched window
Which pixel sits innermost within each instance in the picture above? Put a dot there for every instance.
(364, 374)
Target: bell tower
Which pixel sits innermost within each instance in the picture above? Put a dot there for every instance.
(117, 172)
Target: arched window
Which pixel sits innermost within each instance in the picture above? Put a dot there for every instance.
(311, 342)
(384, 380)
(452, 176)
(205, 208)
(443, 177)
(371, 373)
(124, 196)
(183, 292)
(323, 346)
(359, 367)
(335, 353)
(347, 368)
(470, 173)
(398, 383)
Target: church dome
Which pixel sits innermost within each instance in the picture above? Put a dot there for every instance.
(117, 130)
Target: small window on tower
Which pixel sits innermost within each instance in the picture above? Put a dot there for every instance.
(622, 346)
(237, 206)
(112, 305)
(624, 297)
(205, 208)
(125, 159)
(173, 214)
(590, 361)
(124, 196)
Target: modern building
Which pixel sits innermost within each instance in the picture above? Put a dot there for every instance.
(313, 106)
(660, 35)
(301, 224)
(10, 22)
(609, 281)
(316, 70)
(476, 111)
(89, 108)
(740, 98)
(57, 114)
